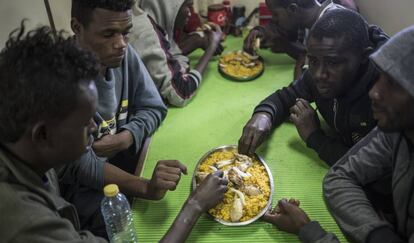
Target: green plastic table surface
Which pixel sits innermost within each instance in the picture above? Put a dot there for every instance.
(216, 117)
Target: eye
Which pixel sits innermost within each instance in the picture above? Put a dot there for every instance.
(392, 83)
(333, 62)
(109, 35)
(312, 61)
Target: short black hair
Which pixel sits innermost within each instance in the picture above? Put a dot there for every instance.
(344, 23)
(300, 3)
(82, 9)
(40, 78)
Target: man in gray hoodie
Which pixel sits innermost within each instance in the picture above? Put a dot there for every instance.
(129, 110)
(385, 152)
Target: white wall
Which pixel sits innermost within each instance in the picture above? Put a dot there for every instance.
(13, 11)
(390, 15)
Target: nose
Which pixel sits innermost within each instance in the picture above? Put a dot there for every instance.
(92, 126)
(321, 73)
(375, 92)
(120, 42)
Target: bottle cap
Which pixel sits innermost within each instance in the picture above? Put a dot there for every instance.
(111, 190)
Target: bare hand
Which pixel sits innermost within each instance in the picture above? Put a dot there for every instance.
(215, 36)
(166, 175)
(210, 192)
(249, 42)
(287, 216)
(305, 118)
(254, 133)
(108, 146)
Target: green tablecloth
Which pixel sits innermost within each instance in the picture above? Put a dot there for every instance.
(216, 117)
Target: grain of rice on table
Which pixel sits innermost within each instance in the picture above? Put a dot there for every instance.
(254, 204)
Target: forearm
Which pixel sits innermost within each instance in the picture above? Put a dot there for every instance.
(279, 103)
(86, 171)
(146, 109)
(268, 32)
(366, 162)
(350, 207)
(202, 63)
(182, 88)
(131, 185)
(295, 50)
(190, 44)
(312, 232)
(144, 124)
(128, 184)
(384, 234)
(185, 221)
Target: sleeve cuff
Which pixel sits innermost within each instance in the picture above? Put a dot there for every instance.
(260, 28)
(264, 108)
(137, 139)
(198, 75)
(383, 234)
(315, 139)
(100, 173)
(311, 232)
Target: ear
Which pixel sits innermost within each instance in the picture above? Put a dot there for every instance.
(40, 134)
(293, 8)
(366, 53)
(76, 26)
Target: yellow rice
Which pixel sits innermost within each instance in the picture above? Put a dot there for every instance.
(254, 204)
(235, 68)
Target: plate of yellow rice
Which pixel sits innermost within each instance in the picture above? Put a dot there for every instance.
(240, 66)
(250, 187)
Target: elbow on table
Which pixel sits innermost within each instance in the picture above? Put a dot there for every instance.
(177, 101)
(178, 104)
(329, 185)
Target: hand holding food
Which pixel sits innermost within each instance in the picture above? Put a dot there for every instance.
(211, 191)
(255, 132)
(251, 42)
(215, 36)
(249, 185)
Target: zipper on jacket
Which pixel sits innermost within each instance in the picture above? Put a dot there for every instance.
(335, 110)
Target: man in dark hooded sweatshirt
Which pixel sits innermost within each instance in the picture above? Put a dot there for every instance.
(338, 81)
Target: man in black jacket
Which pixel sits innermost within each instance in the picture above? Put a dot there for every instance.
(287, 30)
(338, 81)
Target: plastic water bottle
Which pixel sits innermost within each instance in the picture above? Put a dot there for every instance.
(117, 215)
